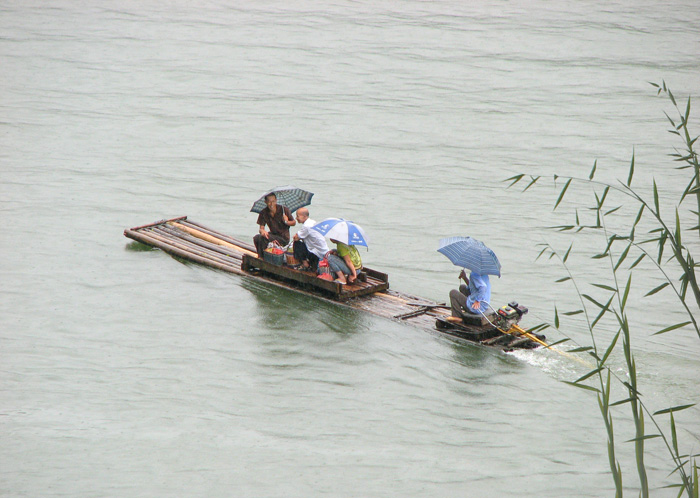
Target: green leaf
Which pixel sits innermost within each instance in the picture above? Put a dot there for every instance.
(656, 199)
(606, 287)
(589, 374)
(572, 313)
(687, 111)
(678, 229)
(656, 289)
(672, 327)
(561, 195)
(582, 386)
(643, 438)
(566, 256)
(674, 409)
(514, 179)
(563, 279)
(623, 256)
(533, 180)
(593, 300)
(638, 260)
(602, 312)
(610, 349)
(608, 213)
(631, 174)
(592, 174)
(556, 318)
(672, 98)
(580, 350)
(622, 402)
(627, 292)
(561, 341)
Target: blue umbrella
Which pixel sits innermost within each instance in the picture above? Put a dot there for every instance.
(471, 254)
(342, 230)
(289, 196)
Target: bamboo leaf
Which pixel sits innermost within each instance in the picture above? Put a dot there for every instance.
(610, 349)
(593, 300)
(572, 313)
(621, 402)
(582, 386)
(602, 312)
(561, 341)
(656, 199)
(589, 374)
(556, 318)
(678, 229)
(564, 279)
(566, 256)
(638, 260)
(627, 292)
(580, 350)
(672, 327)
(561, 195)
(687, 111)
(514, 179)
(606, 287)
(672, 98)
(533, 180)
(631, 173)
(674, 409)
(643, 438)
(623, 256)
(592, 174)
(656, 289)
(673, 432)
(607, 213)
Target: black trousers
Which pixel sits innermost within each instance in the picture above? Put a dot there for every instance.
(302, 253)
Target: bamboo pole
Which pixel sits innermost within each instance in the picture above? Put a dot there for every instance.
(176, 232)
(161, 222)
(210, 238)
(219, 235)
(195, 248)
(151, 241)
(189, 247)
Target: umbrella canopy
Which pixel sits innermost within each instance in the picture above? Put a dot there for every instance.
(342, 230)
(471, 254)
(289, 196)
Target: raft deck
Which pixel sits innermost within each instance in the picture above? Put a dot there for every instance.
(186, 239)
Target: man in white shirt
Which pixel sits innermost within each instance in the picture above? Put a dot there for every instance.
(309, 245)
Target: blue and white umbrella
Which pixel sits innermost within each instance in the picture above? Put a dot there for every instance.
(342, 230)
(289, 196)
(471, 254)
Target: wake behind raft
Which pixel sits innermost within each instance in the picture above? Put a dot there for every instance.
(186, 239)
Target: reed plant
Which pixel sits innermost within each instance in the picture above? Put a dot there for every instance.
(664, 243)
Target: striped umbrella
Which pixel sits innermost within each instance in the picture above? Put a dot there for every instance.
(471, 254)
(289, 196)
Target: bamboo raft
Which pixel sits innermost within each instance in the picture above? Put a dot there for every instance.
(186, 239)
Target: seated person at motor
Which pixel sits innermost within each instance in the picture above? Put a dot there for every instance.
(473, 298)
(345, 262)
(309, 245)
(278, 219)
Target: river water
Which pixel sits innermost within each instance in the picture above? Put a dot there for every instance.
(127, 373)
